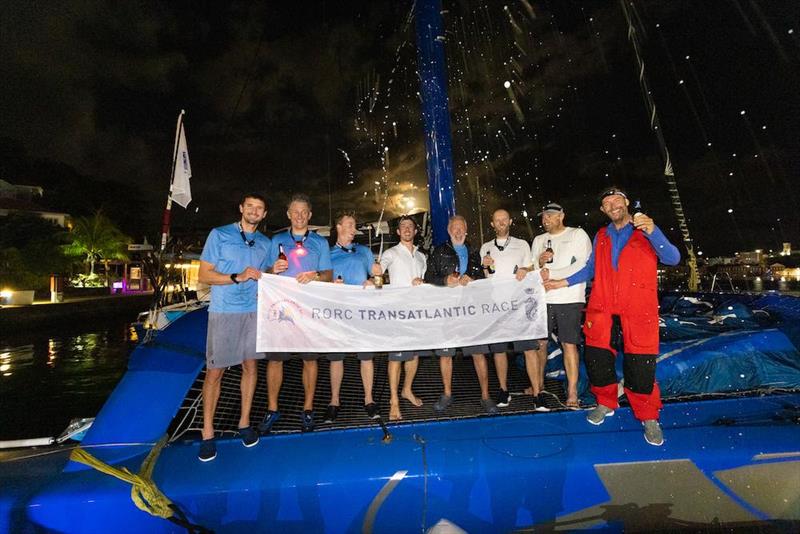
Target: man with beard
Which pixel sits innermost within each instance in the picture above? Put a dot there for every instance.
(506, 256)
(233, 258)
(308, 258)
(406, 266)
(352, 264)
(455, 264)
(624, 303)
(561, 251)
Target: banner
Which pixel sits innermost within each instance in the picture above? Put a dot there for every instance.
(325, 317)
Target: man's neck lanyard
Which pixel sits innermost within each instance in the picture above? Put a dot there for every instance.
(248, 242)
(500, 247)
(350, 250)
(300, 243)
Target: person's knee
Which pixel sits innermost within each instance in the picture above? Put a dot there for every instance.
(213, 376)
(249, 367)
(639, 372)
(600, 366)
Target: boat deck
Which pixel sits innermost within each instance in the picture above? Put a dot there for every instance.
(427, 386)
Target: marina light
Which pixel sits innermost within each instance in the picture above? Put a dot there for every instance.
(6, 294)
(730, 210)
(507, 84)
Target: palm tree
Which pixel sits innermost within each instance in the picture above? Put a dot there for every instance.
(97, 238)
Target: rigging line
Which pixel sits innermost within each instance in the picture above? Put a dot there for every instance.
(669, 174)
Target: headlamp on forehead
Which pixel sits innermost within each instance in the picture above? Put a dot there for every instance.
(612, 192)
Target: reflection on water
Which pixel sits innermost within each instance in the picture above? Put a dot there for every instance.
(50, 376)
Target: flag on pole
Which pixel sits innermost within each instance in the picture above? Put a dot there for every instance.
(182, 172)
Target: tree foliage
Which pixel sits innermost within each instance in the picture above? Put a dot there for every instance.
(96, 238)
(30, 250)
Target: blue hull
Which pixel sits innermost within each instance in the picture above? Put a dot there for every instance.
(732, 462)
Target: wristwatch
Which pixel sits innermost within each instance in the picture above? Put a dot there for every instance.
(233, 278)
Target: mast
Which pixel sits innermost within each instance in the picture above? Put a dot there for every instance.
(669, 174)
(431, 63)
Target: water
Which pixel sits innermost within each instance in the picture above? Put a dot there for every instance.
(49, 376)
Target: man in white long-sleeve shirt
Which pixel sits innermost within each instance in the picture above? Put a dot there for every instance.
(561, 251)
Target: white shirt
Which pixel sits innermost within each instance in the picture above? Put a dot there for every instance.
(516, 253)
(571, 250)
(403, 265)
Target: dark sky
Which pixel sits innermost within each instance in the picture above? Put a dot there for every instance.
(307, 96)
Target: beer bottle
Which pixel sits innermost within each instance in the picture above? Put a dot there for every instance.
(377, 280)
(637, 208)
(550, 250)
(490, 268)
(281, 253)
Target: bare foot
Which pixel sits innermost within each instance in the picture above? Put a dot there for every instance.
(394, 412)
(529, 391)
(572, 403)
(413, 399)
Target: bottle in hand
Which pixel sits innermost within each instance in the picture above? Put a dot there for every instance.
(490, 268)
(550, 250)
(281, 253)
(377, 280)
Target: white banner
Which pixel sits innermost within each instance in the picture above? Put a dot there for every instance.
(324, 317)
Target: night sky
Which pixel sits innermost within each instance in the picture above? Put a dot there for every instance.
(308, 96)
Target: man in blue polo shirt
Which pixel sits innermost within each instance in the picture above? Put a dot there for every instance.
(308, 258)
(352, 264)
(233, 258)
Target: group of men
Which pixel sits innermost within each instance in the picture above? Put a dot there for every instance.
(623, 307)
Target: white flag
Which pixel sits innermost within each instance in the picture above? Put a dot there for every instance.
(181, 188)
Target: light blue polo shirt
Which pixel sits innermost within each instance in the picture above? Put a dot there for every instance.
(228, 253)
(313, 255)
(354, 267)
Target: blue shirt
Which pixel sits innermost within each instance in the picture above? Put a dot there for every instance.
(354, 267)
(313, 255)
(667, 253)
(463, 257)
(228, 253)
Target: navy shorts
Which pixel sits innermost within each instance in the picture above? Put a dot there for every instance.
(407, 355)
(565, 321)
(277, 356)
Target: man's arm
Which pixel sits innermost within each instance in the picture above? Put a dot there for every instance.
(587, 272)
(667, 253)
(207, 275)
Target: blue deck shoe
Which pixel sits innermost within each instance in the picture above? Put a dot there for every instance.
(248, 436)
(208, 450)
(269, 420)
(307, 419)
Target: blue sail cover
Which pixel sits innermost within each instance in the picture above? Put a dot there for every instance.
(717, 345)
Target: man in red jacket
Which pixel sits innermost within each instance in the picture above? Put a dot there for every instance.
(624, 302)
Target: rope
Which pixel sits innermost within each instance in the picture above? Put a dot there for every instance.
(144, 492)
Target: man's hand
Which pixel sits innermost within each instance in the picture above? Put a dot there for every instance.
(545, 274)
(555, 284)
(251, 273)
(337, 281)
(280, 266)
(368, 283)
(544, 257)
(521, 273)
(376, 269)
(417, 281)
(464, 280)
(644, 223)
(487, 261)
(452, 280)
(306, 277)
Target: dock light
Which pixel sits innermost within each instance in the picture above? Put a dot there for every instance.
(507, 84)
(6, 294)
(730, 210)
